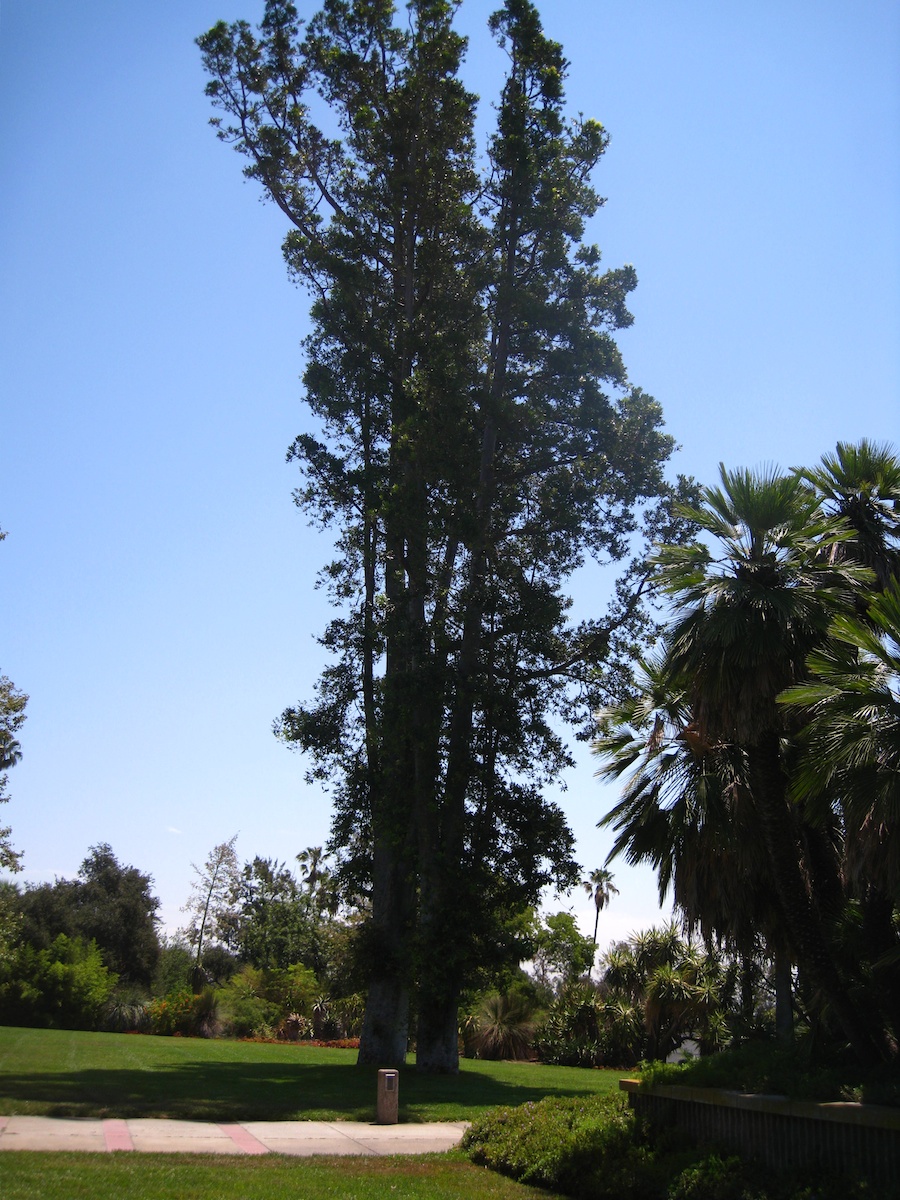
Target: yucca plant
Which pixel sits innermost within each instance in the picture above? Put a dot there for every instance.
(502, 1027)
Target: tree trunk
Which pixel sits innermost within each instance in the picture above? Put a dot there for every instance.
(437, 1039)
(385, 1030)
(880, 946)
(784, 1005)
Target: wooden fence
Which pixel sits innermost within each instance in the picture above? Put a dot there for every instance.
(782, 1133)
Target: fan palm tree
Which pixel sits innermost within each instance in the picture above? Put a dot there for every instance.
(599, 884)
(746, 620)
(686, 809)
(852, 740)
(860, 484)
(851, 761)
(311, 869)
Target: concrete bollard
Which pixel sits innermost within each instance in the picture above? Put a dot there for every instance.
(388, 1097)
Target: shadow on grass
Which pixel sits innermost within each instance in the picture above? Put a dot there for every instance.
(217, 1091)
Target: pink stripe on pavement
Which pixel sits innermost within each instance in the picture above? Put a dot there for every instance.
(116, 1135)
(244, 1138)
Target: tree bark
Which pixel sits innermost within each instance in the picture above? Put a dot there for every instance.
(437, 1035)
(784, 1007)
(385, 1032)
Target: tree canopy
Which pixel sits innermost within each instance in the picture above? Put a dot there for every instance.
(477, 441)
(109, 903)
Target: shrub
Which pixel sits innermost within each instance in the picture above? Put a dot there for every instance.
(595, 1149)
(587, 1147)
(184, 1012)
(173, 969)
(126, 1012)
(294, 1028)
(582, 1029)
(713, 1178)
(348, 1013)
(246, 1011)
(65, 986)
(783, 1070)
(502, 1027)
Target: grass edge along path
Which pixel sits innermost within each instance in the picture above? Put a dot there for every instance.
(25, 1174)
(63, 1073)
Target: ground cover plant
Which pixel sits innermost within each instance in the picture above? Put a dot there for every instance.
(24, 1175)
(79, 1074)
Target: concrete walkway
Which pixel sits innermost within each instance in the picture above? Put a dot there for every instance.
(248, 1137)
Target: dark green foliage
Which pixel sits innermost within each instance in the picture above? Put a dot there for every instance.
(595, 1149)
(501, 1027)
(584, 1147)
(561, 953)
(108, 903)
(713, 1178)
(173, 968)
(192, 1014)
(245, 1011)
(218, 964)
(475, 441)
(64, 986)
(760, 752)
(278, 922)
(126, 1012)
(655, 991)
(582, 1028)
(255, 1001)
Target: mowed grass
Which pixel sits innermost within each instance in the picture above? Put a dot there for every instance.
(25, 1175)
(58, 1073)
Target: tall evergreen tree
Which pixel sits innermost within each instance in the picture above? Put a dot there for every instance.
(477, 441)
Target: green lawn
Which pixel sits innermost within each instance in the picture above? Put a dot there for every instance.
(24, 1175)
(74, 1074)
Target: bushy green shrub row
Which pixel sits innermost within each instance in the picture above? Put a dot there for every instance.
(68, 986)
(65, 986)
(595, 1149)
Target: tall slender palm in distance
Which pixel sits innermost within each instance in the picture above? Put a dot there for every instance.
(599, 884)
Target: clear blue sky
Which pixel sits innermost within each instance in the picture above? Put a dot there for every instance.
(157, 583)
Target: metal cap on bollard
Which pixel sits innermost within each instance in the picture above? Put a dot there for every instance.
(388, 1097)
